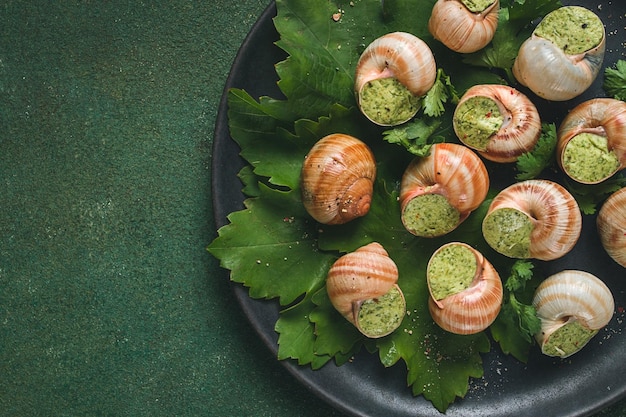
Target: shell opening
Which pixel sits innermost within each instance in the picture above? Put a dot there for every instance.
(476, 120)
(451, 269)
(387, 102)
(380, 316)
(573, 29)
(588, 159)
(508, 231)
(430, 215)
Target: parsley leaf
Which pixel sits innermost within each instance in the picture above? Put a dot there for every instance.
(590, 196)
(531, 164)
(416, 136)
(615, 80)
(439, 94)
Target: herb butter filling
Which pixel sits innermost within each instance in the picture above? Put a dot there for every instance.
(587, 158)
(477, 6)
(476, 120)
(387, 102)
(568, 339)
(451, 270)
(430, 215)
(380, 316)
(574, 29)
(507, 231)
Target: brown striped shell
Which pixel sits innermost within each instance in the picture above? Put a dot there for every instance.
(605, 117)
(521, 125)
(611, 223)
(337, 179)
(450, 170)
(552, 211)
(365, 274)
(462, 29)
(473, 309)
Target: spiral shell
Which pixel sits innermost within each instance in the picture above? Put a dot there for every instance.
(595, 124)
(566, 298)
(367, 275)
(454, 181)
(536, 219)
(553, 74)
(470, 307)
(338, 179)
(498, 121)
(401, 56)
(611, 223)
(462, 29)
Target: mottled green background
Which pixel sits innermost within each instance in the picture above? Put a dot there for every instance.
(109, 303)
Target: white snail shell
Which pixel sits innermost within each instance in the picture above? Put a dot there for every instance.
(460, 29)
(337, 179)
(571, 296)
(467, 310)
(452, 171)
(554, 75)
(604, 118)
(398, 55)
(611, 223)
(368, 273)
(518, 132)
(551, 226)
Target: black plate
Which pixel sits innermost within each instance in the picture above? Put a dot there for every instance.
(579, 386)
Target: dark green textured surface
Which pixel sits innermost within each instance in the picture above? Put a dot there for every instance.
(109, 303)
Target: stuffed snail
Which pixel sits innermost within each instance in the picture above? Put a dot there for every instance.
(611, 224)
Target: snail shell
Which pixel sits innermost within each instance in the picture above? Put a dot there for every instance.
(338, 179)
(472, 306)
(462, 29)
(536, 219)
(397, 55)
(449, 184)
(604, 122)
(367, 275)
(551, 73)
(566, 298)
(509, 114)
(611, 223)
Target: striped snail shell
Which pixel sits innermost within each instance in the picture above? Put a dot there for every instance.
(337, 179)
(463, 29)
(572, 306)
(497, 121)
(591, 144)
(611, 223)
(439, 191)
(465, 289)
(536, 219)
(362, 286)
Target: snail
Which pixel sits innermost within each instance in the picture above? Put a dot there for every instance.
(611, 223)
(362, 286)
(498, 121)
(536, 219)
(465, 289)
(337, 179)
(392, 73)
(564, 55)
(439, 191)
(464, 26)
(591, 144)
(572, 306)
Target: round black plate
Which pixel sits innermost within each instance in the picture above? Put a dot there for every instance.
(579, 386)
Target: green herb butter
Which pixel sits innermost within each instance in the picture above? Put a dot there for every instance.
(451, 270)
(380, 316)
(587, 158)
(574, 29)
(477, 6)
(508, 231)
(387, 102)
(476, 120)
(430, 215)
(568, 339)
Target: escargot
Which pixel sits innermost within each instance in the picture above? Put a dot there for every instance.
(464, 26)
(536, 219)
(337, 179)
(591, 140)
(392, 73)
(465, 289)
(564, 55)
(611, 224)
(439, 191)
(362, 286)
(572, 306)
(498, 121)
